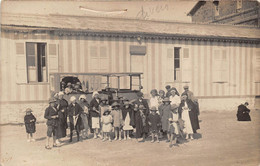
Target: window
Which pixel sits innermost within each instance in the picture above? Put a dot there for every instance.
(239, 4)
(220, 65)
(177, 63)
(36, 62)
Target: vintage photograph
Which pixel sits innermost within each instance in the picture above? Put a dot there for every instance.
(130, 83)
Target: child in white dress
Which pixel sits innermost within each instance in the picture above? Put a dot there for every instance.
(127, 117)
(106, 121)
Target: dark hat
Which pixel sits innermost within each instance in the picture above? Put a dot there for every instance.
(153, 109)
(139, 94)
(186, 87)
(115, 104)
(166, 99)
(246, 103)
(52, 100)
(154, 91)
(107, 110)
(167, 86)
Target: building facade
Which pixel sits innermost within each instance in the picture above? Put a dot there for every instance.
(221, 64)
(237, 12)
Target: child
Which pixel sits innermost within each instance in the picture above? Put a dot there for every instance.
(103, 107)
(29, 121)
(106, 120)
(154, 121)
(165, 113)
(173, 127)
(127, 116)
(118, 119)
(154, 102)
(51, 114)
(84, 115)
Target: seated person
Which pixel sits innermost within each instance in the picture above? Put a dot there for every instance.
(77, 88)
(68, 89)
(243, 112)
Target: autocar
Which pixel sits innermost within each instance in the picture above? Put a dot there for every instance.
(107, 84)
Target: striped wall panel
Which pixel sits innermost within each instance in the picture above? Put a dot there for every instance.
(74, 56)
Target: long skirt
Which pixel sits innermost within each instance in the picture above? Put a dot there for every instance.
(187, 122)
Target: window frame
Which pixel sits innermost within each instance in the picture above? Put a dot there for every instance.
(36, 63)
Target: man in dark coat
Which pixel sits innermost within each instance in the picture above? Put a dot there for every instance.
(51, 114)
(243, 112)
(74, 112)
(62, 107)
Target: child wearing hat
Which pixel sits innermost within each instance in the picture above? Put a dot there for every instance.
(165, 113)
(51, 114)
(106, 121)
(127, 113)
(174, 129)
(30, 120)
(117, 119)
(103, 106)
(154, 122)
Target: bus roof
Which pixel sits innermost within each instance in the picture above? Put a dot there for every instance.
(102, 74)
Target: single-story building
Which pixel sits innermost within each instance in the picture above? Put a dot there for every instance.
(220, 63)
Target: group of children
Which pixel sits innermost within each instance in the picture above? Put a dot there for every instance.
(162, 116)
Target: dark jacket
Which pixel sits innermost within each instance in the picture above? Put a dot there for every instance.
(29, 121)
(75, 110)
(94, 103)
(243, 113)
(50, 111)
(125, 111)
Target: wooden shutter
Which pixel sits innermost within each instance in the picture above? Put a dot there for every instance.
(94, 59)
(220, 73)
(186, 66)
(257, 67)
(170, 65)
(53, 58)
(21, 68)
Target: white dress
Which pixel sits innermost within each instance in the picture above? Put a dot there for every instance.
(107, 123)
(186, 118)
(127, 125)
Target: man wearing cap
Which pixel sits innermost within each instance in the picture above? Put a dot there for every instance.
(74, 112)
(189, 93)
(51, 114)
(191, 97)
(62, 106)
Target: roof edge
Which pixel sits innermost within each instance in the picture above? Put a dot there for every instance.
(77, 32)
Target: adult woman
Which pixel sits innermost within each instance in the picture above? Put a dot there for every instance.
(62, 106)
(187, 111)
(95, 113)
(85, 114)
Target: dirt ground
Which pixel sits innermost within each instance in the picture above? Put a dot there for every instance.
(221, 141)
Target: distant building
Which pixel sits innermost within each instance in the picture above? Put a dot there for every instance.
(236, 12)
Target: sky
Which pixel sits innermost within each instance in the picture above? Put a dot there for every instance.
(148, 10)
